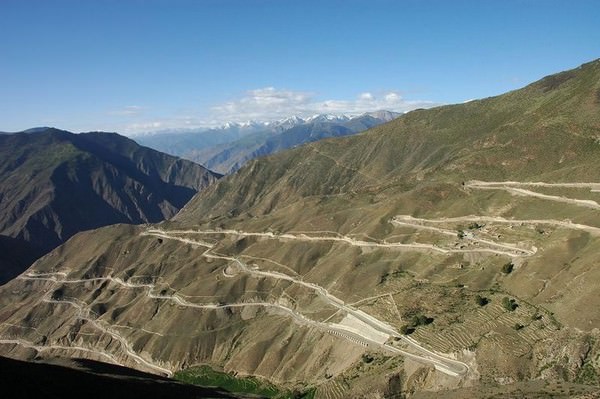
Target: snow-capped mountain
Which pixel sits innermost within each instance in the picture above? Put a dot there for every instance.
(288, 123)
(287, 133)
(252, 126)
(227, 147)
(328, 118)
(295, 120)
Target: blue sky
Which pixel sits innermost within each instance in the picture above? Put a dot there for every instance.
(138, 65)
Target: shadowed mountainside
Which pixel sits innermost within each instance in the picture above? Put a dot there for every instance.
(15, 256)
(54, 184)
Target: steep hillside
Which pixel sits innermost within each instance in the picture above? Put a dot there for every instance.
(54, 184)
(449, 253)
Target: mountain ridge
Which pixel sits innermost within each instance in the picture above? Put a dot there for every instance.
(57, 183)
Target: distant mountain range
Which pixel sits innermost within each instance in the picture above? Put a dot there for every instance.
(54, 184)
(229, 147)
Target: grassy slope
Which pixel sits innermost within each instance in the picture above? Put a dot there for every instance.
(206, 376)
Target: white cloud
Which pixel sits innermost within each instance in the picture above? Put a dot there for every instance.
(392, 97)
(271, 104)
(144, 126)
(262, 104)
(129, 110)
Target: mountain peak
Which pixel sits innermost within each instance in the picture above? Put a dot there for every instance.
(327, 118)
(42, 129)
(383, 115)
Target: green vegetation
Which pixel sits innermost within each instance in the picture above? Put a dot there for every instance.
(518, 326)
(509, 304)
(367, 358)
(395, 274)
(475, 226)
(415, 321)
(420, 320)
(460, 234)
(406, 330)
(481, 301)
(58, 294)
(588, 375)
(536, 316)
(207, 377)
(507, 268)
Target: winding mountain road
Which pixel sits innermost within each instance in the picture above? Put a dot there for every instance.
(443, 363)
(343, 239)
(511, 187)
(506, 248)
(592, 186)
(365, 330)
(47, 347)
(567, 224)
(446, 365)
(357, 326)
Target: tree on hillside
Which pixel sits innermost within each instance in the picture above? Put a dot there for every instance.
(507, 268)
(406, 330)
(509, 304)
(481, 301)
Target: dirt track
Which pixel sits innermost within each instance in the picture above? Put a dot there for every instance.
(445, 364)
(511, 187)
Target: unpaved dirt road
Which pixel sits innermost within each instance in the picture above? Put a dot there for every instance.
(512, 187)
